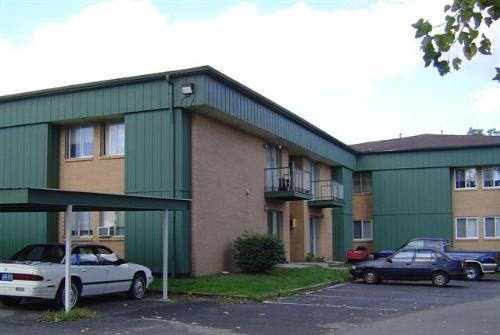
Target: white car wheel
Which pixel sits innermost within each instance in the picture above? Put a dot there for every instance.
(138, 287)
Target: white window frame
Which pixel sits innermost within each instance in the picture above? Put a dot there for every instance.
(362, 231)
(490, 187)
(101, 223)
(497, 233)
(467, 218)
(465, 174)
(81, 144)
(77, 229)
(106, 137)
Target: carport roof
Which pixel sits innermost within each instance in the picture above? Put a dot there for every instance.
(54, 200)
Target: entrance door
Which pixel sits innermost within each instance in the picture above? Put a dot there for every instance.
(314, 235)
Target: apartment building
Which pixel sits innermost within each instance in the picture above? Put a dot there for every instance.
(428, 186)
(246, 164)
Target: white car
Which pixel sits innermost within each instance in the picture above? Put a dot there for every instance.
(37, 271)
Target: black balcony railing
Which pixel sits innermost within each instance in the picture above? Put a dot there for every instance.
(287, 179)
(327, 190)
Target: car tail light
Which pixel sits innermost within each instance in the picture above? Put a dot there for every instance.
(25, 276)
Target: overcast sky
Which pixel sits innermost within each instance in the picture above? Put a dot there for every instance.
(353, 68)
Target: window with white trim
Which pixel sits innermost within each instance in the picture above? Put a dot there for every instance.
(466, 228)
(112, 224)
(80, 141)
(114, 138)
(465, 178)
(491, 177)
(492, 227)
(362, 230)
(82, 224)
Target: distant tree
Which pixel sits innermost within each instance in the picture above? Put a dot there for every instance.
(475, 132)
(480, 132)
(463, 21)
(493, 132)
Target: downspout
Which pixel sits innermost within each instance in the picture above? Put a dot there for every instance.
(170, 97)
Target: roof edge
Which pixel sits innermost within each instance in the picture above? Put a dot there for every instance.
(461, 147)
(206, 69)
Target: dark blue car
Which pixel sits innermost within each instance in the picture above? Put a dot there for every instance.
(412, 264)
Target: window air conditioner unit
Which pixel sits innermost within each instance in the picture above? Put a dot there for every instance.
(106, 231)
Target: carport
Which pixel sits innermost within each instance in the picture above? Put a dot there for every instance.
(55, 200)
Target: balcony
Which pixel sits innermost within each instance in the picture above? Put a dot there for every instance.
(326, 194)
(288, 184)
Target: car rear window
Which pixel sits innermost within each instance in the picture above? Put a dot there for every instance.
(39, 253)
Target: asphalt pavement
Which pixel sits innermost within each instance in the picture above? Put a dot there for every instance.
(351, 308)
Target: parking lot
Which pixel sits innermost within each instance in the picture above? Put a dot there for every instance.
(351, 308)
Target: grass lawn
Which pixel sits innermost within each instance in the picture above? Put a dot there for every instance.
(254, 286)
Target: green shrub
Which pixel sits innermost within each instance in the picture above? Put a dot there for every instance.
(256, 253)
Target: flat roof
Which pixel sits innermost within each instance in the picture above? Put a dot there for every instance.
(55, 200)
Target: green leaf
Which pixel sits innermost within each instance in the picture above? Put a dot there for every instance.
(464, 38)
(450, 20)
(444, 41)
(478, 18)
(447, 8)
(488, 21)
(497, 76)
(473, 33)
(423, 28)
(443, 67)
(485, 46)
(470, 51)
(418, 24)
(456, 63)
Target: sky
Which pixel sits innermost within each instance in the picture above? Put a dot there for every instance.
(352, 68)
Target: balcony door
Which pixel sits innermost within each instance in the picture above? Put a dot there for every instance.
(273, 163)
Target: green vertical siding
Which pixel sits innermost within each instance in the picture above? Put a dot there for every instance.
(410, 203)
(24, 151)
(158, 163)
(90, 103)
(342, 216)
(251, 111)
(429, 159)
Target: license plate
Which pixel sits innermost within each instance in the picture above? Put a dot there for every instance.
(5, 276)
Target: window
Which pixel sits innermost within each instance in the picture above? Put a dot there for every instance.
(274, 223)
(107, 256)
(84, 256)
(403, 256)
(114, 138)
(112, 224)
(80, 142)
(466, 228)
(82, 224)
(314, 235)
(362, 182)
(491, 177)
(465, 178)
(362, 230)
(492, 227)
(425, 256)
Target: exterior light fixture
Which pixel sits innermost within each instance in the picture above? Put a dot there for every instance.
(187, 89)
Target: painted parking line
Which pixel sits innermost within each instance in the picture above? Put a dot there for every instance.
(354, 297)
(330, 306)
